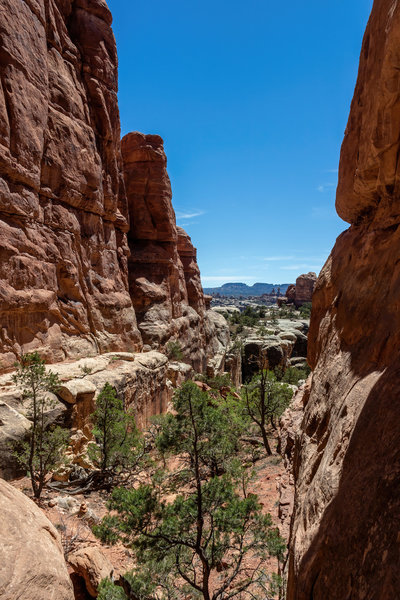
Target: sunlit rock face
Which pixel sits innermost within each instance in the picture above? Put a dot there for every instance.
(63, 217)
(344, 533)
(32, 564)
(305, 285)
(70, 281)
(164, 278)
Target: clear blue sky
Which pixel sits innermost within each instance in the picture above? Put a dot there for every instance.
(252, 100)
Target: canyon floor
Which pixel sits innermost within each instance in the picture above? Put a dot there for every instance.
(74, 516)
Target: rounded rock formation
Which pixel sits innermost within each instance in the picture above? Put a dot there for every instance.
(32, 563)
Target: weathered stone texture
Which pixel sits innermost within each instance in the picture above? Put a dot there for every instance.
(75, 260)
(164, 277)
(32, 563)
(92, 565)
(291, 292)
(344, 536)
(369, 173)
(63, 218)
(141, 380)
(305, 285)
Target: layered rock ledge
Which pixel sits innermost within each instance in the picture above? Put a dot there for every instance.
(144, 381)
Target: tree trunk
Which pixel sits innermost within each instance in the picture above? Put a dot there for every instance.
(266, 442)
(206, 581)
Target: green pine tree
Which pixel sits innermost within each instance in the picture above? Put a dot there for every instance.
(192, 530)
(120, 446)
(42, 453)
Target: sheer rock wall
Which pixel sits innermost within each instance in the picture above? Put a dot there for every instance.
(76, 261)
(346, 461)
(63, 217)
(164, 277)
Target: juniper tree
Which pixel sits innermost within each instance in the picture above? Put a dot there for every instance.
(193, 529)
(264, 399)
(120, 446)
(43, 451)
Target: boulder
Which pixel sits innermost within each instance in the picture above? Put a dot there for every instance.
(217, 341)
(32, 563)
(288, 340)
(178, 373)
(305, 285)
(291, 293)
(13, 428)
(91, 564)
(76, 389)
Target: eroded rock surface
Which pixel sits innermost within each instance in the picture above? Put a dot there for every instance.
(369, 173)
(164, 278)
(285, 345)
(305, 285)
(141, 380)
(75, 260)
(63, 218)
(32, 563)
(291, 293)
(344, 538)
(91, 564)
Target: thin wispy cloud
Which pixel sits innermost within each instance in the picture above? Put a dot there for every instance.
(188, 215)
(325, 186)
(336, 171)
(277, 258)
(187, 223)
(298, 267)
(227, 278)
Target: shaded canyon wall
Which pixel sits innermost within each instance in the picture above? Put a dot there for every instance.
(346, 457)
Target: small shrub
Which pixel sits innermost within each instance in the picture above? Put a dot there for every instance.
(217, 382)
(120, 447)
(109, 591)
(174, 350)
(293, 375)
(305, 310)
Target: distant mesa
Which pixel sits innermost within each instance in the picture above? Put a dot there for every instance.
(242, 289)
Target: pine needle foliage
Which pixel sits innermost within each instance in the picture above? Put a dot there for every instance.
(119, 448)
(42, 452)
(193, 529)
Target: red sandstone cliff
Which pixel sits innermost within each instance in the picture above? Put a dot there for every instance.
(344, 535)
(164, 279)
(75, 260)
(302, 292)
(63, 216)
